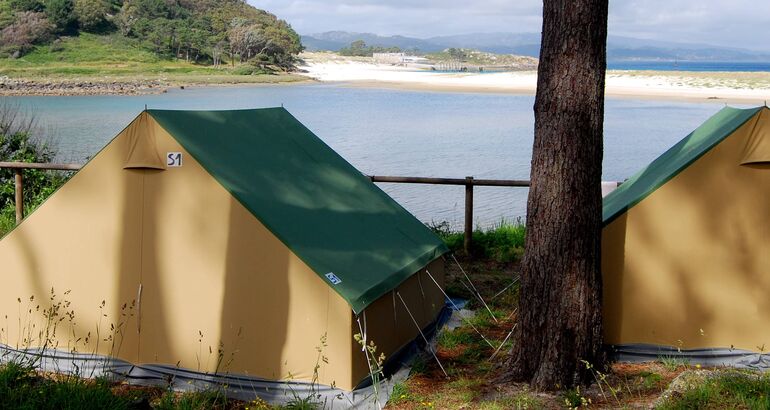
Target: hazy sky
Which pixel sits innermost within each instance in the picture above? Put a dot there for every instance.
(737, 23)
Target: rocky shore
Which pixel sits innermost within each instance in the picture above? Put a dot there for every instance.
(17, 87)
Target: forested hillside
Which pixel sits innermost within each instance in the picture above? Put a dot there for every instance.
(199, 31)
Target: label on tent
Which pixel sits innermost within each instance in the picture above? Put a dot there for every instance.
(333, 278)
(174, 159)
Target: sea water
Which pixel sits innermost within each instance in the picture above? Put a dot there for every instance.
(396, 132)
(708, 66)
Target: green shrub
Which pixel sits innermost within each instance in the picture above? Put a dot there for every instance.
(248, 69)
(18, 143)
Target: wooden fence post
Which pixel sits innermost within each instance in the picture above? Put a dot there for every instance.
(19, 195)
(468, 215)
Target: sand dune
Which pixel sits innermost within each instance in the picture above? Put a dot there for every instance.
(748, 88)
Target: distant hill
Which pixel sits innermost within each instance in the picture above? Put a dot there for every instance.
(528, 44)
(200, 31)
(335, 40)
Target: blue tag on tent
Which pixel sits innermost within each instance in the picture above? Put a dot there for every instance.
(333, 278)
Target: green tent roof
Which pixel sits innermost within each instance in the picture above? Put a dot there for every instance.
(328, 213)
(673, 161)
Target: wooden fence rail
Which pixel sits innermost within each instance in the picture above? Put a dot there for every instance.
(467, 182)
(18, 168)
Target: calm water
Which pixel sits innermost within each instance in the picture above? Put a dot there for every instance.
(689, 66)
(393, 132)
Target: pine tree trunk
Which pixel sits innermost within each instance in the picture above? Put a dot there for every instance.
(559, 324)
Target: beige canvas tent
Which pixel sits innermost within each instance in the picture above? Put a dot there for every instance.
(220, 244)
(686, 246)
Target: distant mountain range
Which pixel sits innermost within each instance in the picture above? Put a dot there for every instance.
(528, 44)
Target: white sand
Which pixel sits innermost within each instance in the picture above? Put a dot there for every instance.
(721, 87)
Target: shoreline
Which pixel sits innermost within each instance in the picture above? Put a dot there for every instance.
(711, 87)
(118, 86)
(635, 94)
(719, 87)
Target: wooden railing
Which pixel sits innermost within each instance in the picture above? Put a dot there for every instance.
(19, 167)
(467, 182)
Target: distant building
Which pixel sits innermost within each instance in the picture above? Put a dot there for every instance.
(415, 59)
(397, 58)
(389, 58)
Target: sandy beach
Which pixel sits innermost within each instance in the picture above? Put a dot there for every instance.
(742, 88)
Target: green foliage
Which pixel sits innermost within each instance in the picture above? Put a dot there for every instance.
(61, 14)
(28, 28)
(650, 380)
(574, 399)
(504, 242)
(18, 144)
(202, 400)
(359, 48)
(731, 389)
(92, 15)
(305, 403)
(672, 363)
(22, 388)
(450, 339)
(458, 54)
(400, 393)
(26, 5)
(200, 31)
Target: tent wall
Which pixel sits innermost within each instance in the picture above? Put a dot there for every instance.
(163, 266)
(227, 277)
(388, 324)
(82, 244)
(218, 290)
(687, 266)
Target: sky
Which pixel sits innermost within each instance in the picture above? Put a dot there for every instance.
(730, 23)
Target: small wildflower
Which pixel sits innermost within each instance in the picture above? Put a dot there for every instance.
(697, 366)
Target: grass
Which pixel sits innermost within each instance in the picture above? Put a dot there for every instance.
(723, 390)
(21, 387)
(116, 58)
(503, 242)
(672, 363)
(464, 353)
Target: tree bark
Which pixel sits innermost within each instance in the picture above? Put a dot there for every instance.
(560, 319)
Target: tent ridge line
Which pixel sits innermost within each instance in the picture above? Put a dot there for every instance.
(611, 218)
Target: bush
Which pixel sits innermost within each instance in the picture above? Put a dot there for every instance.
(92, 15)
(18, 143)
(61, 14)
(26, 5)
(28, 29)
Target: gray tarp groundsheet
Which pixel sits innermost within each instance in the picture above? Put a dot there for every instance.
(706, 357)
(236, 386)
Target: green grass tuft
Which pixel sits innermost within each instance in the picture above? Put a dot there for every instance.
(450, 339)
(672, 363)
(731, 389)
(503, 242)
(22, 388)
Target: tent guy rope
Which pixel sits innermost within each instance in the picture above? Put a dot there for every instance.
(458, 309)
